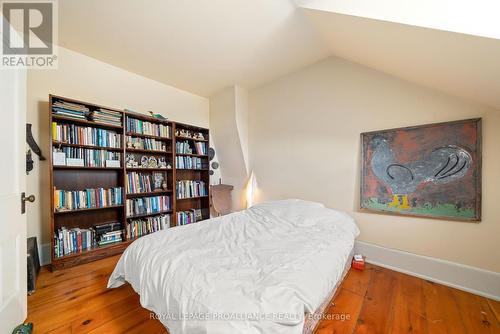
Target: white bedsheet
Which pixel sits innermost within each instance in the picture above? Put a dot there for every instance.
(254, 271)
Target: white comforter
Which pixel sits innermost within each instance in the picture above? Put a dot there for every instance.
(254, 271)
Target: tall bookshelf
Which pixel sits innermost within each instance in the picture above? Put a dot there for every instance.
(136, 143)
(195, 169)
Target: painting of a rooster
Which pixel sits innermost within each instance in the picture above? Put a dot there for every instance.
(431, 170)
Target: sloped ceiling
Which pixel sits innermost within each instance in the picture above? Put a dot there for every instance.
(203, 46)
(458, 64)
(200, 46)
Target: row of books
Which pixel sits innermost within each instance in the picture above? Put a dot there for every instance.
(68, 241)
(70, 110)
(105, 116)
(191, 188)
(139, 183)
(110, 238)
(108, 233)
(184, 147)
(81, 135)
(189, 217)
(147, 205)
(146, 144)
(183, 162)
(74, 156)
(65, 200)
(139, 227)
(147, 128)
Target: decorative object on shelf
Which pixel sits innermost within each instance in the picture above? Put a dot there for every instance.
(198, 136)
(430, 171)
(137, 145)
(131, 162)
(183, 133)
(158, 180)
(169, 166)
(162, 163)
(157, 115)
(152, 162)
(164, 185)
(130, 144)
(144, 161)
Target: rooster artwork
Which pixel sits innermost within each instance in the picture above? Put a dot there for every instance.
(431, 170)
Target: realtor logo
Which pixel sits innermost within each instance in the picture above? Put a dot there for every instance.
(28, 34)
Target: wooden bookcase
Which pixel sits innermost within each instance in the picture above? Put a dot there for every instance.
(80, 178)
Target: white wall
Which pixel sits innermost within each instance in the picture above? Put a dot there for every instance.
(304, 131)
(229, 133)
(88, 79)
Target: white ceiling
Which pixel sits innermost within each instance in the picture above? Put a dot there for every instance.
(203, 46)
(200, 46)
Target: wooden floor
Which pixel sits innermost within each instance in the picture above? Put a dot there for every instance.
(376, 300)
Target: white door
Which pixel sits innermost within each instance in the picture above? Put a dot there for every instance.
(13, 300)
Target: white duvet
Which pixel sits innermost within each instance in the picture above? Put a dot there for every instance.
(254, 271)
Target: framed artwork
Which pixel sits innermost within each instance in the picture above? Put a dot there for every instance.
(429, 171)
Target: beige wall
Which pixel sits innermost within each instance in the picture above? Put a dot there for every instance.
(304, 143)
(88, 79)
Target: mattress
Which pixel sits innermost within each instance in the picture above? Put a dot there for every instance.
(312, 319)
(255, 271)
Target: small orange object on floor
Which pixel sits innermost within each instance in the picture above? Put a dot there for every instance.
(358, 262)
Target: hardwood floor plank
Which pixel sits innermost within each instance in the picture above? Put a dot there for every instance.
(124, 323)
(88, 322)
(476, 313)
(495, 308)
(442, 313)
(357, 281)
(150, 326)
(341, 317)
(64, 313)
(408, 307)
(375, 315)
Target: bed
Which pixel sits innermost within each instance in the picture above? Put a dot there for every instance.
(261, 270)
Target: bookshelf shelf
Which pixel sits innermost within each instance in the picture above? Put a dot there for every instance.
(80, 257)
(58, 143)
(193, 169)
(192, 155)
(191, 198)
(88, 209)
(139, 169)
(87, 168)
(78, 178)
(151, 193)
(85, 122)
(140, 135)
(149, 214)
(139, 150)
(188, 138)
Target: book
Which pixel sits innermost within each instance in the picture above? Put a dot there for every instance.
(67, 200)
(147, 205)
(81, 135)
(139, 227)
(191, 188)
(146, 128)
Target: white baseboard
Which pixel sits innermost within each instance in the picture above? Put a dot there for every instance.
(44, 252)
(474, 280)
